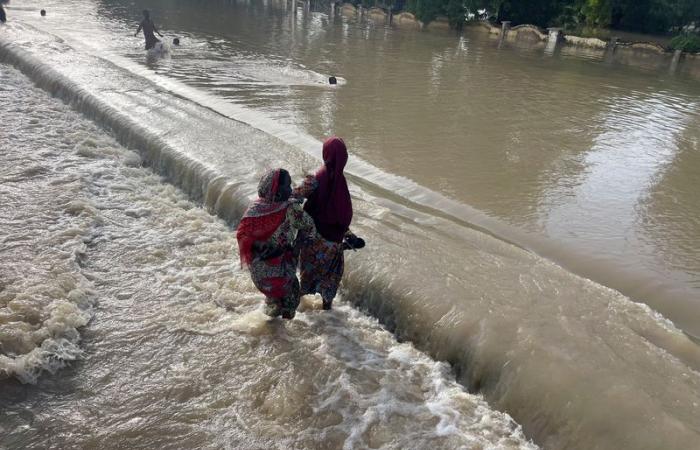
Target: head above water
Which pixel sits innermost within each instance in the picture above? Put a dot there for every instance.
(285, 186)
(42, 12)
(275, 186)
(146, 14)
(176, 41)
(335, 154)
(332, 80)
(331, 205)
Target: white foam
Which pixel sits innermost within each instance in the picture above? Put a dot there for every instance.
(51, 356)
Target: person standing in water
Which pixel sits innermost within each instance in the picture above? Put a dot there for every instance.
(267, 242)
(3, 16)
(321, 261)
(148, 29)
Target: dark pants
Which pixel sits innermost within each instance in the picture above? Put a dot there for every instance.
(151, 42)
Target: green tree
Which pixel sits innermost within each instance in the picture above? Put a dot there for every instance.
(648, 16)
(456, 12)
(687, 11)
(686, 42)
(428, 10)
(596, 13)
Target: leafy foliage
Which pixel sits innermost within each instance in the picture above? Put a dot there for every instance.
(686, 42)
(648, 16)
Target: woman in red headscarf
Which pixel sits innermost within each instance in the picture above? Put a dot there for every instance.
(328, 203)
(266, 242)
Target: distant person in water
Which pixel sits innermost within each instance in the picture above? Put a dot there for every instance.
(148, 29)
(3, 16)
(267, 242)
(43, 13)
(321, 261)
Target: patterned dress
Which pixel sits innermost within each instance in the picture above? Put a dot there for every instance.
(321, 262)
(277, 277)
(273, 226)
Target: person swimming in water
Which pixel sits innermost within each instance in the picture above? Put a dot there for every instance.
(148, 29)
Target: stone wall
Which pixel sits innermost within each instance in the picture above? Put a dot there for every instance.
(440, 23)
(690, 66)
(407, 20)
(484, 26)
(647, 55)
(377, 15)
(579, 41)
(348, 10)
(526, 32)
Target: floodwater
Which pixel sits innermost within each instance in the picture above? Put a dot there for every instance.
(503, 193)
(179, 355)
(599, 161)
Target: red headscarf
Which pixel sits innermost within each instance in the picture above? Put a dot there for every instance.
(330, 205)
(262, 218)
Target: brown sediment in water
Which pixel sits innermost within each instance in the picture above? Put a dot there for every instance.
(578, 364)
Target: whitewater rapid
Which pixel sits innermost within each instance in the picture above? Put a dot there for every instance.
(577, 364)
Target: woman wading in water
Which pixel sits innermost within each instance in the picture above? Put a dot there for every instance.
(267, 243)
(321, 261)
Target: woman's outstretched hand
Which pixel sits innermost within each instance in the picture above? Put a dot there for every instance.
(352, 242)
